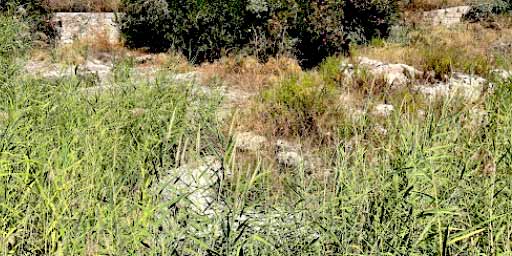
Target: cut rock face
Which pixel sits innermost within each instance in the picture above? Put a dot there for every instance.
(73, 26)
(446, 17)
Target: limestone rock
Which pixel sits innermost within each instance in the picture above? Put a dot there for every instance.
(249, 141)
(49, 71)
(476, 117)
(75, 26)
(95, 67)
(504, 48)
(397, 75)
(421, 114)
(502, 74)
(289, 159)
(197, 182)
(469, 87)
(383, 110)
(283, 145)
(289, 155)
(394, 74)
(446, 17)
(143, 59)
(380, 130)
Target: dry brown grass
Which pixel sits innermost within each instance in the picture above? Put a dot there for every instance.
(93, 45)
(428, 5)
(101, 41)
(466, 44)
(247, 72)
(171, 61)
(97, 44)
(84, 5)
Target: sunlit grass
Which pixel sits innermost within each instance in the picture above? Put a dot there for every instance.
(79, 172)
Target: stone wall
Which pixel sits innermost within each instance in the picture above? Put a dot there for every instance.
(75, 26)
(446, 17)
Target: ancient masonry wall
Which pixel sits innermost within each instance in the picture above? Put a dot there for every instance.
(79, 25)
(76, 26)
(446, 17)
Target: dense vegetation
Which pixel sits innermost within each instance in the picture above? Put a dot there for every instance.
(81, 173)
(35, 13)
(487, 10)
(207, 30)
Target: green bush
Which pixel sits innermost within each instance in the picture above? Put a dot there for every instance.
(299, 106)
(201, 30)
(439, 62)
(207, 30)
(13, 41)
(34, 12)
(444, 60)
(486, 11)
(146, 24)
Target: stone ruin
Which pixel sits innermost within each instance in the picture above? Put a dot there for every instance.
(77, 25)
(446, 17)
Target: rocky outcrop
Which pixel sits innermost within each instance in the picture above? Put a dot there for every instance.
(394, 74)
(468, 87)
(49, 71)
(397, 75)
(96, 69)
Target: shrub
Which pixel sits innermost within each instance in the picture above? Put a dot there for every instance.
(202, 31)
(146, 24)
(486, 11)
(328, 27)
(35, 12)
(13, 41)
(299, 106)
(439, 62)
(443, 60)
(206, 30)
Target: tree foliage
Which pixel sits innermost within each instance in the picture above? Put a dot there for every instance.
(206, 30)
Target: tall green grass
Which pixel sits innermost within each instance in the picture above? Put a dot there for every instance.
(76, 171)
(78, 174)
